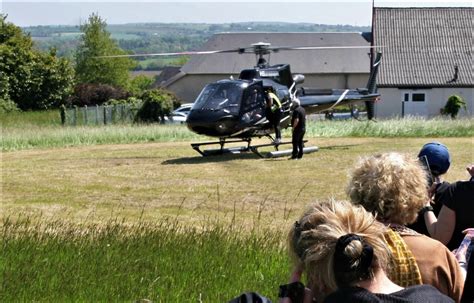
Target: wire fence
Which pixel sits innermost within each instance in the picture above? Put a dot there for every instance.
(98, 115)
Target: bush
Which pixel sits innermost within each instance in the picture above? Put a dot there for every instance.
(139, 84)
(453, 105)
(130, 101)
(95, 94)
(7, 106)
(157, 103)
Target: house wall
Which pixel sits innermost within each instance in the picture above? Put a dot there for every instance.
(391, 104)
(188, 87)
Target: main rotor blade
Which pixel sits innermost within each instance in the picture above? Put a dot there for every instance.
(243, 50)
(239, 50)
(276, 49)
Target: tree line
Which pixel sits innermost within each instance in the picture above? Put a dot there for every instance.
(31, 79)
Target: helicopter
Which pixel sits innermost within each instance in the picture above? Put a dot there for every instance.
(233, 110)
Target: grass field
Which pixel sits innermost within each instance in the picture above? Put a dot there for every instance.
(102, 220)
(166, 179)
(43, 130)
(115, 262)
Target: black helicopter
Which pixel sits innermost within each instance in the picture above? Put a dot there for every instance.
(233, 110)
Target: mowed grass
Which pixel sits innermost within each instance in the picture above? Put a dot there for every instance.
(166, 179)
(155, 220)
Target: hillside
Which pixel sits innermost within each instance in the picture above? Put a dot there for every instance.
(167, 37)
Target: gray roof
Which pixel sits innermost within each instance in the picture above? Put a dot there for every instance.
(422, 46)
(308, 61)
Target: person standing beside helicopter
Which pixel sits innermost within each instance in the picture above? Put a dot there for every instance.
(273, 112)
(298, 124)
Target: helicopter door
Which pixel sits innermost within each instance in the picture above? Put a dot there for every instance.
(253, 104)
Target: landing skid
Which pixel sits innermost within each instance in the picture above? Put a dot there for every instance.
(248, 148)
(221, 150)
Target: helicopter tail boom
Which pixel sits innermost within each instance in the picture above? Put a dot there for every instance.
(372, 84)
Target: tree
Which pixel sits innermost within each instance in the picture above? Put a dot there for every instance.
(6, 104)
(453, 105)
(157, 103)
(139, 84)
(32, 79)
(97, 42)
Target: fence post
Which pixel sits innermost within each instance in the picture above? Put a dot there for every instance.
(112, 114)
(105, 114)
(74, 115)
(62, 113)
(85, 115)
(97, 114)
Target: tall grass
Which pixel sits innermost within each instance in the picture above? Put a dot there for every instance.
(406, 127)
(162, 262)
(27, 120)
(43, 130)
(47, 137)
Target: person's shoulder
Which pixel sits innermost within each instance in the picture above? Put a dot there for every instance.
(423, 241)
(442, 187)
(457, 191)
(351, 294)
(460, 185)
(465, 185)
(423, 293)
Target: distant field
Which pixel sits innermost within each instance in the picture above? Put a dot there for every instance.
(161, 62)
(125, 36)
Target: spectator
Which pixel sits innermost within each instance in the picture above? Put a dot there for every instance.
(456, 214)
(298, 123)
(468, 294)
(343, 252)
(438, 161)
(394, 187)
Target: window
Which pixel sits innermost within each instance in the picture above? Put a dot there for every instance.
(413, 96)
(418, 97)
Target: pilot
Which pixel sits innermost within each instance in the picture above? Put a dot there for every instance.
(298, 124)
(262, 63)
(273, 112)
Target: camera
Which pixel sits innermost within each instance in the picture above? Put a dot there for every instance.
(426, 165)
(294, 291)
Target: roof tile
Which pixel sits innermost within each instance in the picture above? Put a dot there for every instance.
(422, 46)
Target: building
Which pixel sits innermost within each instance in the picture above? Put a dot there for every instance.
(329, 68)
(427, 57)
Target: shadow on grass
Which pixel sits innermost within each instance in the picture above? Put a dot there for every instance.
(211, 159)
(241, 156)
(338, 147)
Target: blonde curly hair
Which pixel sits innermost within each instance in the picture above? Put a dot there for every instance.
(392, 186)
(313, 240)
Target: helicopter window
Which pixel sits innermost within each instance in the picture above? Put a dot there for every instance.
(217, 96)
(253, 104)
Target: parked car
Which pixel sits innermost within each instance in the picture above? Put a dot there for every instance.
(185, 108)
(176, 118)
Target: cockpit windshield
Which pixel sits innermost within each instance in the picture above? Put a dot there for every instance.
(220, 96)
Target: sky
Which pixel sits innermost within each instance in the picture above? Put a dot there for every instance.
(74, 12)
